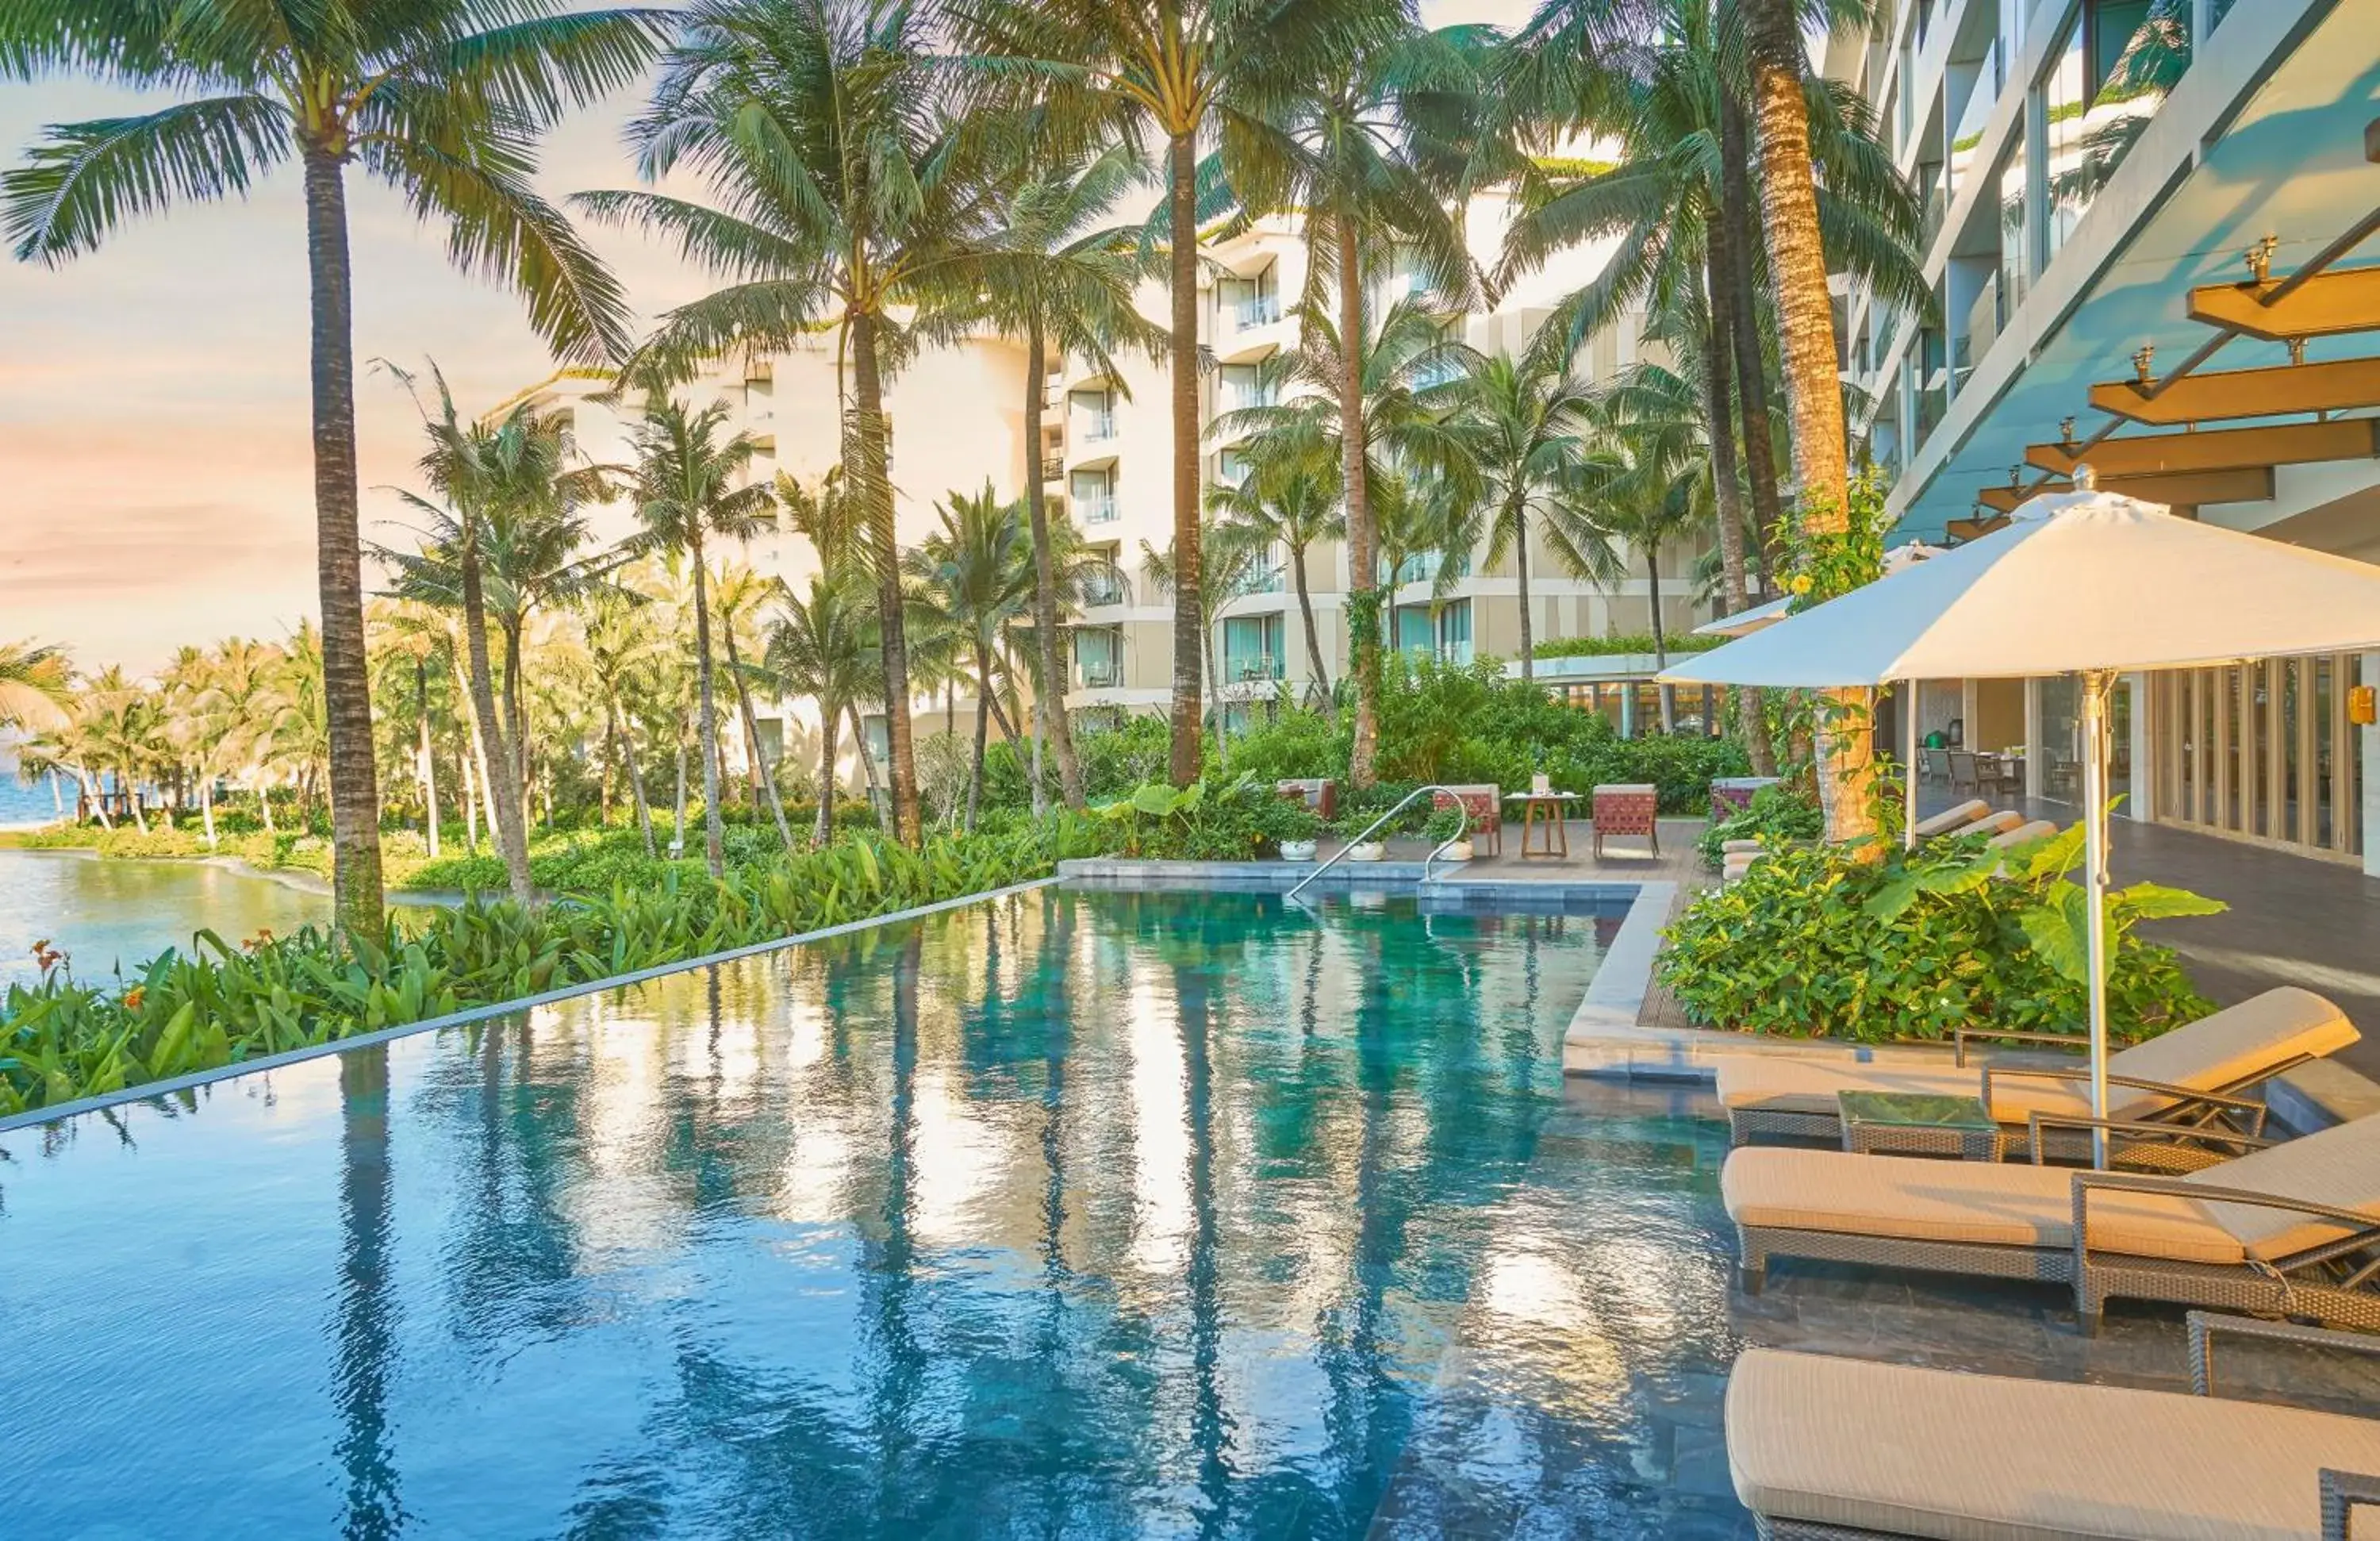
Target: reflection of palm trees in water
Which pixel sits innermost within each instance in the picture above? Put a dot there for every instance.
(900, 1357)
(1211, 1428)
(366, 1325)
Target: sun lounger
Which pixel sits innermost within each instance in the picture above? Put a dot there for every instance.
(2289, 1229)
(1823, 1448)
(1952, 817)
(2039, 828)
(1998, 822)
(2197, 1073)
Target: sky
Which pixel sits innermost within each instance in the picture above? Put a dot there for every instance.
(155, 469)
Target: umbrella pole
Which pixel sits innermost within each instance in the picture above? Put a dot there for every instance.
(1908, 764)
(2095, 890)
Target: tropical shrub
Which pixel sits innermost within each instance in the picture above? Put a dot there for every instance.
(1814, 941)
(1621, 647)
(222, 1003)
(1776, 815)
(1233, 820)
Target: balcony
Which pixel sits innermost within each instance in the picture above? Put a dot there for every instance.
(1053, 468)
(1096, 510)
(1095, 428)
(1248, 668)
(1106, 589)
(1100, 673)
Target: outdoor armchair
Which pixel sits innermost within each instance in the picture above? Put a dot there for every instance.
(1823, 1448)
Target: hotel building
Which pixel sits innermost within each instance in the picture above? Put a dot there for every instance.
(2144, 233)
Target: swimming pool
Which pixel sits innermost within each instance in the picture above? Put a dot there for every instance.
(1079, 1214)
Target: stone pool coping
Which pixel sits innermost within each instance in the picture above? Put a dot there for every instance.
(150, 1090)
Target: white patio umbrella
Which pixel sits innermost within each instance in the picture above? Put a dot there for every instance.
(2085, 583)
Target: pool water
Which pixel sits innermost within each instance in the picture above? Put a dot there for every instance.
(1072, 1214)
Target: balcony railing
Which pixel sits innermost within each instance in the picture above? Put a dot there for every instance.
(1053, 468)
(1096, 510)
(1242, 667)
(1256, 310)
(1097, 426)
(1100, 676)
(1106, 590)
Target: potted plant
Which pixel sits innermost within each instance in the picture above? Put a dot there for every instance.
(1448, 832)
(1291, 826)
(1352, 826)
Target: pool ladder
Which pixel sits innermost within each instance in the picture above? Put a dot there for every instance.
(1373, 828)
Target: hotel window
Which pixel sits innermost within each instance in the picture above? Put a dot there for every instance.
(1231, 468)
(1454, 631)
(1252, 648)
(1241, 386)
(1094, 496)
(1248, 302)
(1414, 634)
(1098, 657)
(1094, 415)
(2120, 60)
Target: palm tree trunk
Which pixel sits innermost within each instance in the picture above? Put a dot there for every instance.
(132, 798)
(677, 815)
(1717, 405)
(429, 768)
(1805, 325)
(760, 772)
(1521, 571)
(984, 706)
(714, 844)
(470, 806)
(823, 829)
(635, 777)
(357, 904)
(1215, 694)
(207, 809)
(498, 768)
(1189, 611)
(1669, 696)
(95, 797)
(1363, 565)
(1313, 638)
(1049, 684)
(876, 795)
(1743, 331)
(864, 458)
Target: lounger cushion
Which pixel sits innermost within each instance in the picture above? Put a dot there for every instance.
(2215, 1051)
(1953, 817)
(1928, 1452)
(1783, 1083)
(2338, 1166)
(2241, 1040)
(1979, 1203)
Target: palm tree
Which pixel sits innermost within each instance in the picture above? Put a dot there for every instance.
(1648, 484)
(1521, 424)
(443, 98)
(1367, 151)
(1295, 505)
(1065, 282)
(413, 637)
(737, 598)
(35, 684)
(819, 648)
(981, 574)
(1233, 562)
(496, 481)
(123, 728)
(686, 497)
(621, 650)
(236, 705)
(853, 196)
(1180, 71)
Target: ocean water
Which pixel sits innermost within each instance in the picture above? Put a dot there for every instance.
(21, 805)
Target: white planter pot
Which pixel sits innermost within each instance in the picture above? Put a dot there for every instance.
(1297, 850)
(1459, 851)
(1370, 850)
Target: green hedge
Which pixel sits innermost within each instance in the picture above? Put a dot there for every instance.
(1814, 942)
(221, 1004)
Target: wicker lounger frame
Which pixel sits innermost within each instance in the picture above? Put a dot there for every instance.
(2221, 1106)
(2336, 1282)
(2343, 1492)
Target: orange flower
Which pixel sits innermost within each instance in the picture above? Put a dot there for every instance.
(133, 996)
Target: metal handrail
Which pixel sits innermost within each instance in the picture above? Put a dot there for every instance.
(1373, 828)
